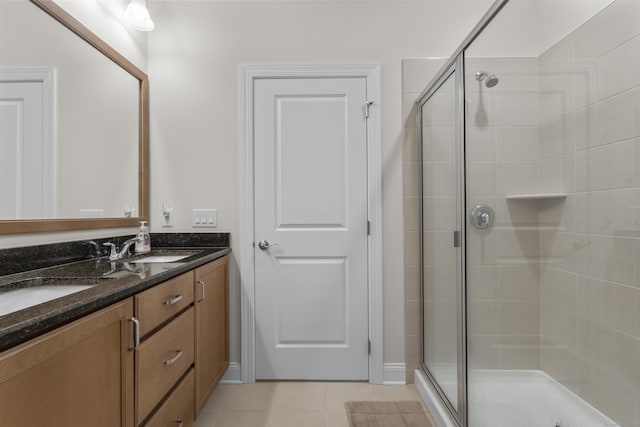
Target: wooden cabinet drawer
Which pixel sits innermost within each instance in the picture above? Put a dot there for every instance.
(177, 410)
(161, 360)
(158, 304)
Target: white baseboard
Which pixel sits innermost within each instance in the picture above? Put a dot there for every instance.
(232, 376)
(395, 374)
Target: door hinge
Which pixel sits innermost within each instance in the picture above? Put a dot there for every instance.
(366, 108)
(456, 239)
(369, 347)
(368, 228)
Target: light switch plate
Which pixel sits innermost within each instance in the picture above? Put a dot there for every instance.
(167, 215)
(204, 218)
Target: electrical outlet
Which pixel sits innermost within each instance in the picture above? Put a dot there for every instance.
(204, 218)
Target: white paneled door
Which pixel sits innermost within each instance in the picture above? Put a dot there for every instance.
(311, 308)
(26, 187)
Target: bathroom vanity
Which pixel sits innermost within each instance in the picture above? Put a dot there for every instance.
(86, 340)
(146, 346)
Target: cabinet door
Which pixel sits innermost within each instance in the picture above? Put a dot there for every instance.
(78, 375)
(212, 340)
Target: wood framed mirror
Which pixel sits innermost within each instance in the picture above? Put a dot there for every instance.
(104, 158)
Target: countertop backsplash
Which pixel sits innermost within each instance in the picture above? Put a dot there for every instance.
(17, 260)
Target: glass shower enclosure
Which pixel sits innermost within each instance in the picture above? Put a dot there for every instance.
(441, 240)
(530, 237)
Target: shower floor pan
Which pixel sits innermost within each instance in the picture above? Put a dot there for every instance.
(523, 398)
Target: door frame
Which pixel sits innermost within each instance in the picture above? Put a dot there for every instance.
(46, 76)
(250, 73)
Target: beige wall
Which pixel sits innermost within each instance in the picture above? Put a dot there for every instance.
(195, 55)
(527, 28)
(104, 18)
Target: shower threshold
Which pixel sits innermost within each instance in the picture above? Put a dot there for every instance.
(523, 398)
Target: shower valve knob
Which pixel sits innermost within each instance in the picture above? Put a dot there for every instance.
(482, 217)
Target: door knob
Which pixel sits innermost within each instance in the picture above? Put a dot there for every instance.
(264, 244)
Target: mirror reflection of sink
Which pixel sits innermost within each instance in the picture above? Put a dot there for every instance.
(160, 258)
(27, 293)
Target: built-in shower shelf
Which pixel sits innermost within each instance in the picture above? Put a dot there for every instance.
(536, 196)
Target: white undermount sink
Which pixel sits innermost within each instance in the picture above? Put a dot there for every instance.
(161, 258)
(18, 299)
(33, 291)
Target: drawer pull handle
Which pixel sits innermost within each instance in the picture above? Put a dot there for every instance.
(173, 301)
(174, 359)
(179, 422)
(136, 335)
(201, 283)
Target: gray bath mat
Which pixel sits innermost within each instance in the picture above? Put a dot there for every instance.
(406, 413)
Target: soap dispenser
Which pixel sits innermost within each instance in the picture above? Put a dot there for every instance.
(143, 244)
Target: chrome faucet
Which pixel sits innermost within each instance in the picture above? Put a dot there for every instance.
(97, 250)
(115, 255)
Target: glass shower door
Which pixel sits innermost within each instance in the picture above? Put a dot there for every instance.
(441, 252)
(553, 292)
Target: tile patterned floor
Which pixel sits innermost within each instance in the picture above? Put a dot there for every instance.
(293, 404)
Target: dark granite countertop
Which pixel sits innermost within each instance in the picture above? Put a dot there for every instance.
(110, 282)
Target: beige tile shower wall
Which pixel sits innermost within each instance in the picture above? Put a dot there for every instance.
(416, 75)
(589, 148)
(503, 286)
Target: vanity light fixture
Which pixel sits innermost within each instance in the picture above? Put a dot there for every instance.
(137, 16)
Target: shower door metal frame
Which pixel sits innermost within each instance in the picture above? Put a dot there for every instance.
(454, 64)
(437, 80)
(457, 69)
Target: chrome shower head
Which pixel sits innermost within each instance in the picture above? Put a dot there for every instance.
(490, 80)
